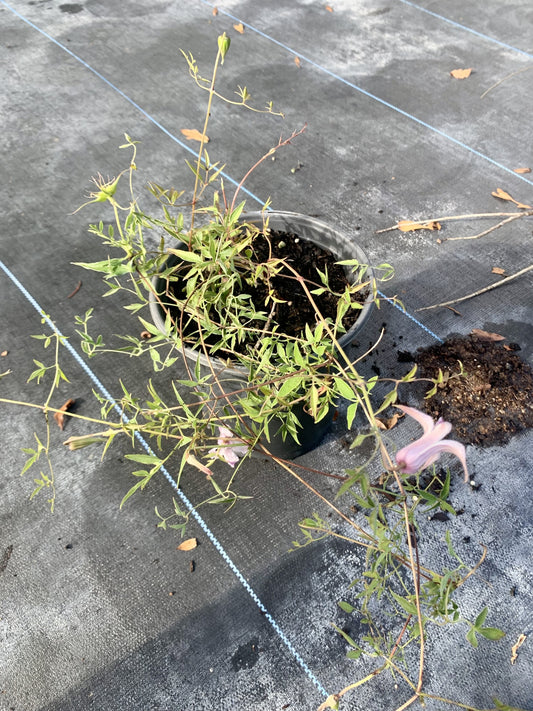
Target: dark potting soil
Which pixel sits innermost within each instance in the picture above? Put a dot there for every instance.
(296, 311)
(491, 401)
(306, 258)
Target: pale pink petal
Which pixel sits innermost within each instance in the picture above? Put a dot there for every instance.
(439, 431)
(413, 458)
(229, 455)
(224, 434)
(425, 420)
(458, 450)
(426, 450)
(227, 448)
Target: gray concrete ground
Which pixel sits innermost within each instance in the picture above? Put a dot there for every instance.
(98, 609)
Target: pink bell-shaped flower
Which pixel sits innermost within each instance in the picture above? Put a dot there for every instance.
(427, 449)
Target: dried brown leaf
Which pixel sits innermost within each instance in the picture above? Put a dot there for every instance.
(486, 336)
(461, 73)
(389, 422)
(4, 353)
(239, 28)
(514, 649)
(410, 226)
(498, 270)
(329, 8)
(297, 61)
(59, 417)
(215, 11)
(191, 134)
(522, 170)
(502, 195)
(187, 545)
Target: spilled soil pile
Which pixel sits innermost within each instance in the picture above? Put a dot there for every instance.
(491, 401)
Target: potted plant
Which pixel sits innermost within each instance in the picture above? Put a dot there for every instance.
(237, 369)
(262, 307)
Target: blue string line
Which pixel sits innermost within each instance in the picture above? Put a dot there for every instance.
(368, 94)
(203, 525)
(123, 95)
(410, 316)
(467, 29)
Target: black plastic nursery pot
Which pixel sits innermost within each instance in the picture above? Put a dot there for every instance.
(230, 379)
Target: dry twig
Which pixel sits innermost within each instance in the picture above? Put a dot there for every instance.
(481, 291)
(449, 218)
(519, 71)
(515, 216)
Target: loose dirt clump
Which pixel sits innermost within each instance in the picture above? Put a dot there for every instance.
(491, 401)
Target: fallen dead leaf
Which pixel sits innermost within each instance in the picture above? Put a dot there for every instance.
(329, 8)
(461, 73)
(390, 422)
(215, 11)
(187, 545)
(522, 170)
(410, 226)
(516, 647)
(4, 353)
(239, 28)
(498, 270)
(297, 61)
(191, 134)
(502, 195)
(486, 336)
(59, 417)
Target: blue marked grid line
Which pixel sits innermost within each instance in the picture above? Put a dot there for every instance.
(203, 525)
(368, 94)
(121, 93)
(467, 29)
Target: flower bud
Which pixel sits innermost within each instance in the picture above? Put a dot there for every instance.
(223, 46)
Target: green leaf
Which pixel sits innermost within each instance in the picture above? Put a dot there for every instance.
(388, 400)
(448, 539)
(410, 375)
(138, 485)
(113, 267)
(491, 632)
(471, 636)
(30, 461)
(290, 385)
(346, 637)
(346, 606)
(480, 619)
(409, 607)
(144, 459)
(344, 389)
(350, 414)
(186, 256)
